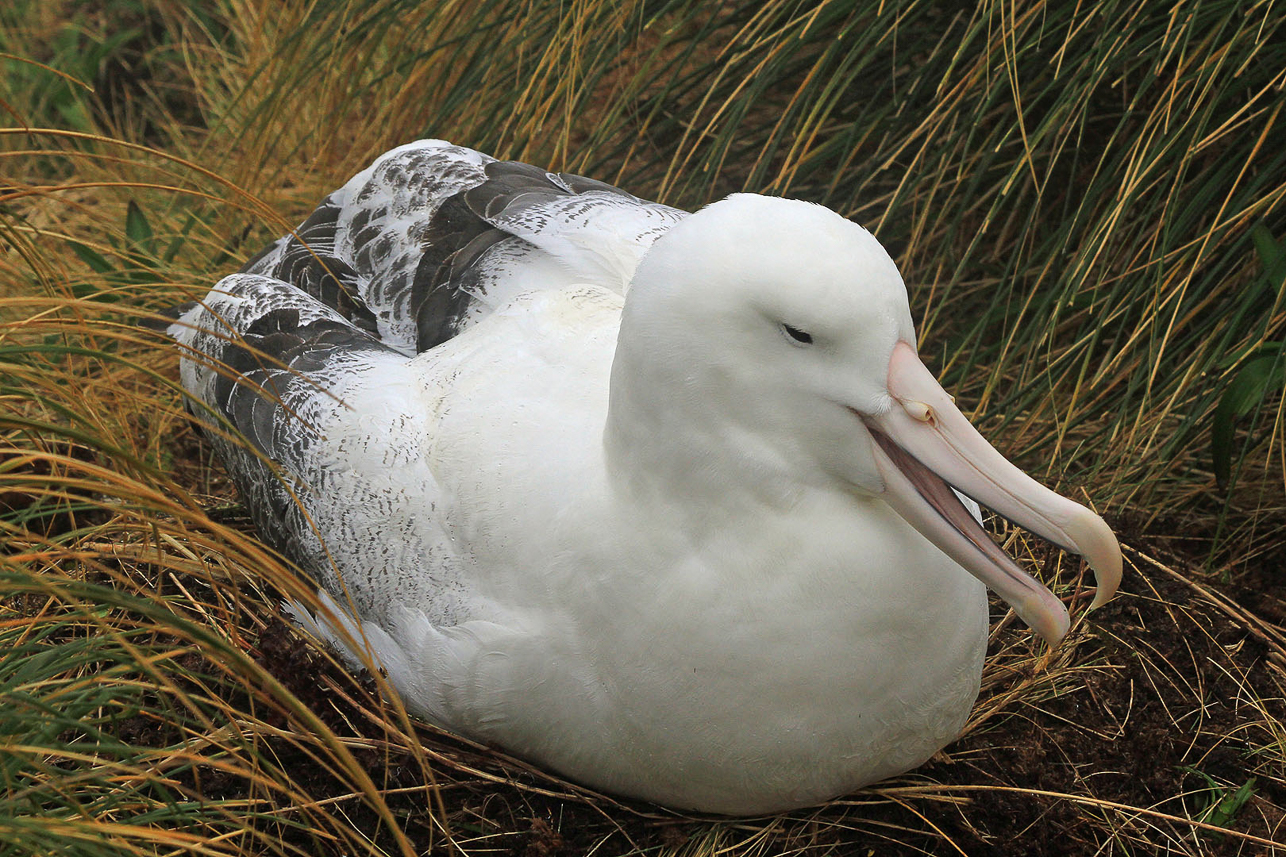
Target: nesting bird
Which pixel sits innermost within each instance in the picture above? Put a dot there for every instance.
(661, 501)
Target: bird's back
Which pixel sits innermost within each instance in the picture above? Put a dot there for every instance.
(433, 237)
(309, 353)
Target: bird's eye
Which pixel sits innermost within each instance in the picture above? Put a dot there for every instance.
(797, 335)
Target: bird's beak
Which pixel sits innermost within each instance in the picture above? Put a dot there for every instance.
(925, 447)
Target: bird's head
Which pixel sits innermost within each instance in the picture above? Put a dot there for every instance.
(783, 330)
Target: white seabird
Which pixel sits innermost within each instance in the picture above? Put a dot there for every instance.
(657, 500)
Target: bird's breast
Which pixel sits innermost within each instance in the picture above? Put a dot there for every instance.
(785, 661)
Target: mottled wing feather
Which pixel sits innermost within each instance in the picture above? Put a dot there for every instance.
(305, 352)
(255, 336)
(440, 236)
(432, 237)
(324, 483)
(383, 226)
(523, 228)
(308, 261)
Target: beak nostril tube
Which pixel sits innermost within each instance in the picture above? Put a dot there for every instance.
(919, 411)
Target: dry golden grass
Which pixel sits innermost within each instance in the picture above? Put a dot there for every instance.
(1071, 194)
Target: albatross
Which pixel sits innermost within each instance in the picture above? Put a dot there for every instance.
(665, 502)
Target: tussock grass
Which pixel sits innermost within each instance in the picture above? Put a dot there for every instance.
(1086, 201)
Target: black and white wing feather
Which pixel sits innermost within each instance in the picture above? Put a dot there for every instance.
(306, 351)
(432, 237)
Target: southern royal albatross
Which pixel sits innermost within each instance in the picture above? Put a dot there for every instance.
(658, 500)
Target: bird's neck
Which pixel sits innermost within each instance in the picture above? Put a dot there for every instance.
(672, 442)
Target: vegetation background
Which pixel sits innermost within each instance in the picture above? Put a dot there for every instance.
(1086, 200)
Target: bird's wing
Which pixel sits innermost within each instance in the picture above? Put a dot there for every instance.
(354, 468)
(383, 476)
(432, 237)
(334, 473)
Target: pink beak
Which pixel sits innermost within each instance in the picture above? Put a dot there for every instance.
(926, 447)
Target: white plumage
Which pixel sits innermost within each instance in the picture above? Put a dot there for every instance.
(646, 497)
